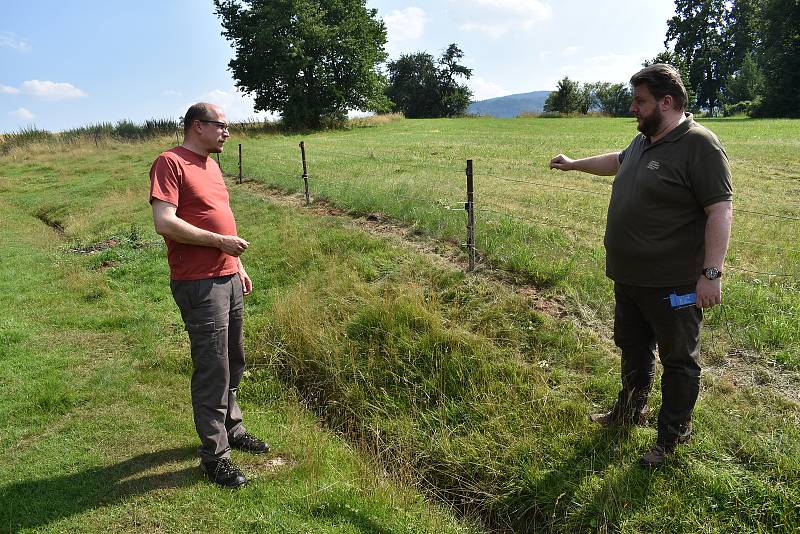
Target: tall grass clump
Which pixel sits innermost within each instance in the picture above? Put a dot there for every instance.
(25, 136)
(123, 130)
(460, 386)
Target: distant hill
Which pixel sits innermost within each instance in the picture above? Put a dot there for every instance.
(511, 105)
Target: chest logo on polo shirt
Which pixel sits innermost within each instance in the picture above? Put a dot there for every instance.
(653, 165)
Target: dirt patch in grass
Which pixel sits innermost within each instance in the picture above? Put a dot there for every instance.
(94, 248)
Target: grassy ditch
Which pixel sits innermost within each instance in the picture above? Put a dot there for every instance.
(96, 425)
(547, 226)
(452, 382)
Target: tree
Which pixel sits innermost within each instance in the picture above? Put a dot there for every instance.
(455, 97)
(413, 86)
(698, 31)
(310, 60)
(742, 32)
(567, 98)
(612, 98)
(744, 85)
(421, 88)
(780, 59)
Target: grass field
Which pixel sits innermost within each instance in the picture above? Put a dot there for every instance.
(451, 382)
(96, 427)
(547, 226)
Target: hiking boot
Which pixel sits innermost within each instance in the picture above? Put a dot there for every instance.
(223, 473)
(614, 418)
(656, 456)
(248, 443)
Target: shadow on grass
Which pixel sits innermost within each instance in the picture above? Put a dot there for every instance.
(36, 503)
(554, 504)
(354, 518)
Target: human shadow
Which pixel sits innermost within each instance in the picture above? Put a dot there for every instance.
(35, 503)
(355, 518)
(545, 504)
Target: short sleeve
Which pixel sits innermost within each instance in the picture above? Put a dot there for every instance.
(165, 179)
(711, 177)
(621, 156)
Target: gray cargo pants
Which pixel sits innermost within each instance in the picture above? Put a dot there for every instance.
(213, 312)
(643, 318)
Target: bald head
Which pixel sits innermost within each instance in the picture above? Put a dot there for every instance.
(202, 111)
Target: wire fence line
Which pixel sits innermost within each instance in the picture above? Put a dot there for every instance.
(523, 214)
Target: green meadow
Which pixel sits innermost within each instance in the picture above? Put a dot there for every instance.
(547, 226)
(400, 394)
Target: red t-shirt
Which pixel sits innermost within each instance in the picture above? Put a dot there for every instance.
(194, 185)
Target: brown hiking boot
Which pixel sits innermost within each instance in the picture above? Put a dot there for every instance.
(656, 456)
(613, 418)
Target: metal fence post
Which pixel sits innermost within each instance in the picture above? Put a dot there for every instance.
(240, 163)
(470, 218)
(305, 171)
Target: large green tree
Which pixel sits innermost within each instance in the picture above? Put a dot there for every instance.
(780, 59)
(310, 60)
(698, 30)
(421, 87)
(611, 98)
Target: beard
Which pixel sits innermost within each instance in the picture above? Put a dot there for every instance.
(650, 125)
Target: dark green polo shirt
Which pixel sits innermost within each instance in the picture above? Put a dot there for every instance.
(655, 234)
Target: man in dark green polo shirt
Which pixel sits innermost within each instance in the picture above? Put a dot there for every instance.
(667, 233)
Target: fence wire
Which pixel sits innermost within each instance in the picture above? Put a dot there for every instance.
(546, 215)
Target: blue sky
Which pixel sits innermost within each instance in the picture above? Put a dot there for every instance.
(66, 64)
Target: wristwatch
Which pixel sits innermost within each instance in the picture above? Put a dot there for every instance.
(712, 273)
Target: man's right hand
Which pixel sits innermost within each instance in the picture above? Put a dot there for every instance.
(562, 162)
(232, 245)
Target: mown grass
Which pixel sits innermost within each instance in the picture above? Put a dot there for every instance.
(451, 381)
(547, 226)
(96, 422)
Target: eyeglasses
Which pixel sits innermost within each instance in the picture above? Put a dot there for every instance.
(220, 125)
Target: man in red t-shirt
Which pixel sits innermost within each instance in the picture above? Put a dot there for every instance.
(191, 210)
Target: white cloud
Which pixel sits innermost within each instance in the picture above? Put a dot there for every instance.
(500, 17)
(22, 114)
(483, 89)
(10, 40)
(8, 90)
(494, 31)
(405, 24)
(530, 8)
(51, 90)
(236, 105)
(403, 28)
(616, 68)
(570, 50)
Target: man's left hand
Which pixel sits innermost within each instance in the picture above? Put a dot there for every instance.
(247, 284)
(709, 292)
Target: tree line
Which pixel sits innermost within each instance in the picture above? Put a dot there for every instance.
(735, 56)
(312, 60)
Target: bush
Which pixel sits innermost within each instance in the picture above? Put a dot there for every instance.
(745, 107)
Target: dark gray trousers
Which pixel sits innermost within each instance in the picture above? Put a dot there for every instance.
(213, 312)
(644, 318)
